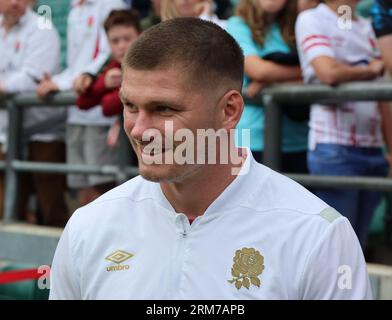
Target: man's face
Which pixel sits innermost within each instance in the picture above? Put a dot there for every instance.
(120, 40)
(158, 97)
(14, 9)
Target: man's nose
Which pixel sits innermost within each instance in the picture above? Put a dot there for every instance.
(142, 125)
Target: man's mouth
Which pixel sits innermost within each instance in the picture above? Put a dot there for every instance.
(151, 151)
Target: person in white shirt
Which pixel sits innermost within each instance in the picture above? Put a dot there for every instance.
(229, 229)
(87, 52)
(344, 139)
(29, 49)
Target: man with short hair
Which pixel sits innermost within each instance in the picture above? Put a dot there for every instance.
(201, 229)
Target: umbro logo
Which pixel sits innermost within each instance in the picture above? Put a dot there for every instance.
(118, 257)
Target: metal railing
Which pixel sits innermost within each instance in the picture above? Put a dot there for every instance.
(274, 96)
(271, 99)
(13, 165)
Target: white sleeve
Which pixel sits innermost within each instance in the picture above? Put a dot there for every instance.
(64, 80)
(64, 275)
(336, 268)
(312, 37)
(42, 45)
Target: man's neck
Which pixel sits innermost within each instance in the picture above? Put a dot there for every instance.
(194, 195)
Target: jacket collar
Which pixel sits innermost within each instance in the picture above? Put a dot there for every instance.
(237, 193)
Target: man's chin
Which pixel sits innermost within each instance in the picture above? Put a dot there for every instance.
(151, 177)
(154, 174)
(168, 173)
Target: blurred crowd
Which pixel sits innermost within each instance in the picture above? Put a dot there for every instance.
(284, 41)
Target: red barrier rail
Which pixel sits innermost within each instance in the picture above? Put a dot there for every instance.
(20, 275)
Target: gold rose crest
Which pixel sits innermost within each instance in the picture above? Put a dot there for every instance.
(248, 266)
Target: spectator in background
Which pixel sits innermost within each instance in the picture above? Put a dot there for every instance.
(154, 16)
(382, 24)
(87, 130)
(122, 29)
(265, 31)
(203, 9)
(27, 53)
(345, 139)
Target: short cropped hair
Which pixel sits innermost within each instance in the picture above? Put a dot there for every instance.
(127, 18)
(203, 51)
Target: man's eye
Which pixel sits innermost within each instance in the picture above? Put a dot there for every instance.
(164, 109)
(131, 107)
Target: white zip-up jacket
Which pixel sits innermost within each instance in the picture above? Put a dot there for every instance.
(30, 49)
(264, 237)
(87, 51)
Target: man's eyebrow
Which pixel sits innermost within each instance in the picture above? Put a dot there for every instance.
(152, 103)
(123, 99)
(164, 103)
